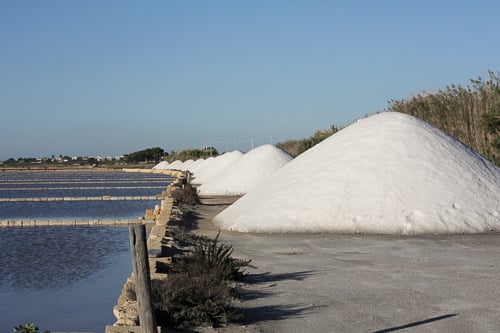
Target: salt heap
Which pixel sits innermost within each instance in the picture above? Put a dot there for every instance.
(390, 173)
(198, 164)
(185, 165)
(161, 166)
(212, 167)
(175, 165)
(247, 172)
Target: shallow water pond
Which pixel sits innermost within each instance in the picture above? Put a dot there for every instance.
(62, 278)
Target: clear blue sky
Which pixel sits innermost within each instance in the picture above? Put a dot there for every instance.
(86, 77)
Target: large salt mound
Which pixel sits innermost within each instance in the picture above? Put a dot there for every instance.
(389, 173)
(212, 167)
(247, 172)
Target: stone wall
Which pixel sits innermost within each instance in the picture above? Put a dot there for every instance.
(158, 245)
(66, 222)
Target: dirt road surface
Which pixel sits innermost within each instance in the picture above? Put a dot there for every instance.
(364, 283)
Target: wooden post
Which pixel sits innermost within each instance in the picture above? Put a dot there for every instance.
(142, 278)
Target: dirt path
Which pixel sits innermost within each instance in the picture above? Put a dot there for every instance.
(353, 283)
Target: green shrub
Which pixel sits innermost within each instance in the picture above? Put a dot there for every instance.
(213, 257)
(199, 290)
(297, 147)
(185, 301)
(192, 154)
(27, 328)
(186, 195)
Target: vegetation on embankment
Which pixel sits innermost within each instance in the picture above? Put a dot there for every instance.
(200, 288)
(470, 114)
(201, 285)
(297, 147)
(191, 154)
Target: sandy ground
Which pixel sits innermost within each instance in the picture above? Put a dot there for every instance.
(364, 283)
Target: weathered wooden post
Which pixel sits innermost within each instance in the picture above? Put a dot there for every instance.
(142, 279)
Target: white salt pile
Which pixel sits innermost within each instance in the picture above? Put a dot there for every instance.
(215, 165)
(247, 172)
(389, 173)
(178, 165)
(163, 165)
(185, 165)
(194, 164)
(198, 164)
(175, 165)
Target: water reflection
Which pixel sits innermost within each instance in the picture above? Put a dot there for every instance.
(62, 278)
(104, 209)
(67, 278)
(53, 192)
(54, 257)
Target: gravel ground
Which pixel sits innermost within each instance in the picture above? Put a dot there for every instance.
(364, 283)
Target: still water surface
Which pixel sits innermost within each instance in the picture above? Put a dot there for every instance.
(84, 210)
(67, 278)
(78, 184)
(62, 278)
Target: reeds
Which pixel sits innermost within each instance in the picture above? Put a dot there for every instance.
(470, 113)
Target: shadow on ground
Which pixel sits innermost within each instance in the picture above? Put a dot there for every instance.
(275, 312)
(416, 323)
(269, 277)
(189, 222)
(262, 313)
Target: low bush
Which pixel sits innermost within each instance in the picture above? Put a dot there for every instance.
(297, 147)
(27, 328)
(213, 257)
(186, 195)
(184, 301)
(200, 287)
(192, 154)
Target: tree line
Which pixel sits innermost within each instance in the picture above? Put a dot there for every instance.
(146, 155)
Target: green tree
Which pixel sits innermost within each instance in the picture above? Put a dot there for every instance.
(146, 155)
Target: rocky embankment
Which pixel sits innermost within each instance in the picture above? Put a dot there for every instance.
(160, 248)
